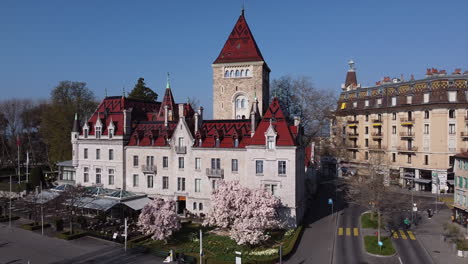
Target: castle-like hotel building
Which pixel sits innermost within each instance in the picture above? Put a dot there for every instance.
(170, 150)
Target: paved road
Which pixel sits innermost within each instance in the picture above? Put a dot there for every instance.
(348, 246)
(18, 246)
(410, 250)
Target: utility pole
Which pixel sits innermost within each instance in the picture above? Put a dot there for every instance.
(412, 204)
(437, 193)
(42, 213)
(9, 220)
(125, 223)
(201, 247)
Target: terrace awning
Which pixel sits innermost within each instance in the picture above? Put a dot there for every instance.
(137, 204)
(101, 204)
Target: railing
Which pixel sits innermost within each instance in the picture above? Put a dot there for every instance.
(407, 148)
(466, 118)
(149, 169)
(377, 121)
(181, 149)
(353, 134)
(353, 146)
(376, 148)
(377, 134)
(350, 121)
(464, 134)
(406, 134)
(407, 121)
(214, 172)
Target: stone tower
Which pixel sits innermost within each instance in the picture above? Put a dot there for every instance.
(240, 76)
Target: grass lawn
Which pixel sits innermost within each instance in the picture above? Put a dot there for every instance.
(368, 222)
(371, 245)
(218, 248)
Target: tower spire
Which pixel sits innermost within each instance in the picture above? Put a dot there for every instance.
(243, 9)
(168, 82)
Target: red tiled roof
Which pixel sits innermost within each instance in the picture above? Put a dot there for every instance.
(151, 134)
(274, 116)
(240, 46)
(226, 130)
(168, 101)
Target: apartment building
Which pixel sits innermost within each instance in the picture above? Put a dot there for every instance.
(460, 202)
(418, 126)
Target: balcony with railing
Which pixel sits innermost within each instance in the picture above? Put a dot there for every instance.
(149, 169)
(181, 149)
(352, 121)
(464, 135)
(376, 147)
(377, 135)
(215, 173)
(407, 134)
(466, 118)
(352, 146)
(353, 135)
(407, 121)
(407, 148)
(377, 122)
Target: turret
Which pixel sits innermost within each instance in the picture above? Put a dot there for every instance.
(74, 140)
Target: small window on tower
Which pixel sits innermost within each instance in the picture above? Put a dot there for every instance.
(226, 74)
(237, 73)
(231, 74)
(247, 73)
(242, 73)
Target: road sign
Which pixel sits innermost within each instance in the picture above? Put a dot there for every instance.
(380, 243)
(330, 201)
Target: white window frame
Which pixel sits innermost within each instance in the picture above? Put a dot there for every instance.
(259, 167)
(197, 185)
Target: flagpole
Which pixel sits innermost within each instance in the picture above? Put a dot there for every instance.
(27, 166)
(9, 220)
(42, 212)
(19, 172)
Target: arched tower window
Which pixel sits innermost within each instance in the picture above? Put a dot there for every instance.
(247, 73)
(243, 103)
(242, 73)
(237, 73)
(238, 103)
(226, 74)
(231, 74)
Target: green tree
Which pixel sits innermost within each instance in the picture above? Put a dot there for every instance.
(37, 176)
(67, 99)
(142, 92)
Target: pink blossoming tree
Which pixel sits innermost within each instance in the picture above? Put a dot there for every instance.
(248, 213)
(159, 219)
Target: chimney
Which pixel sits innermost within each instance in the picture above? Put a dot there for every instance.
(127, 121)
(181, 111)
(297, 121)
(412, 77)
(252, 123)
(200, 112)
(196, 122)
(457, 71)
(165, 115)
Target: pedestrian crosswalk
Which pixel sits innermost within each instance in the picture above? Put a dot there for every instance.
(397, 234)
(348, 231)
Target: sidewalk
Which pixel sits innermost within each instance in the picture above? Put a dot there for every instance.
(420, 193)
(430, 234)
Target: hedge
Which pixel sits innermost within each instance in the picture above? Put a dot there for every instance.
(66, 236)
(34, 226)
(134, 242)
(7, 218)
(15, 187)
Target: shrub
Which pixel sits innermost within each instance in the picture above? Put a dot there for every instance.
(34, 226)
(66, 235)
(58, 224)
(7, 218)
(371, 245)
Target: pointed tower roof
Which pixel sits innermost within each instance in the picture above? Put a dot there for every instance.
(351, 78)
(76, 124)
(168, 101)
(240, 45)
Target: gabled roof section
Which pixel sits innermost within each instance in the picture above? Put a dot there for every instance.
(274, 116)
(168, 101)
(240, 45)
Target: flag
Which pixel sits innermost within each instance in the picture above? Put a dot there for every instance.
(27, 158)
(18, 142)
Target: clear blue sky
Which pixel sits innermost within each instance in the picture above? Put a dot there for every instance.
(109, 44)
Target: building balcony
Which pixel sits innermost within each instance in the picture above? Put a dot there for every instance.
(376, 122)
(377, 135)
(407, 134)
(464, 135)
(215, 173)
(181, 149)
(353, 146)
(376, 148)
(466, 118)
(351, 121)
(407, 121)
(149, 169)
(353, 135)
(407, 149)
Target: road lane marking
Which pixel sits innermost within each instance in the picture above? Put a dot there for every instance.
(395, 234)
(401, 262)
(340, 231)
(356, 231)
(348, 231)
(411, 236)
(403, 235)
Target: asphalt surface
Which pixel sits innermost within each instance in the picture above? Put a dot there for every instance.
(411, 251)
(348, 245)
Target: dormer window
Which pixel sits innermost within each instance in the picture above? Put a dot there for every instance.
(98, 132)
(270, 142)
(200, 142)
(236, 143)
(217, 143)
(85, 132)
(111, 133)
